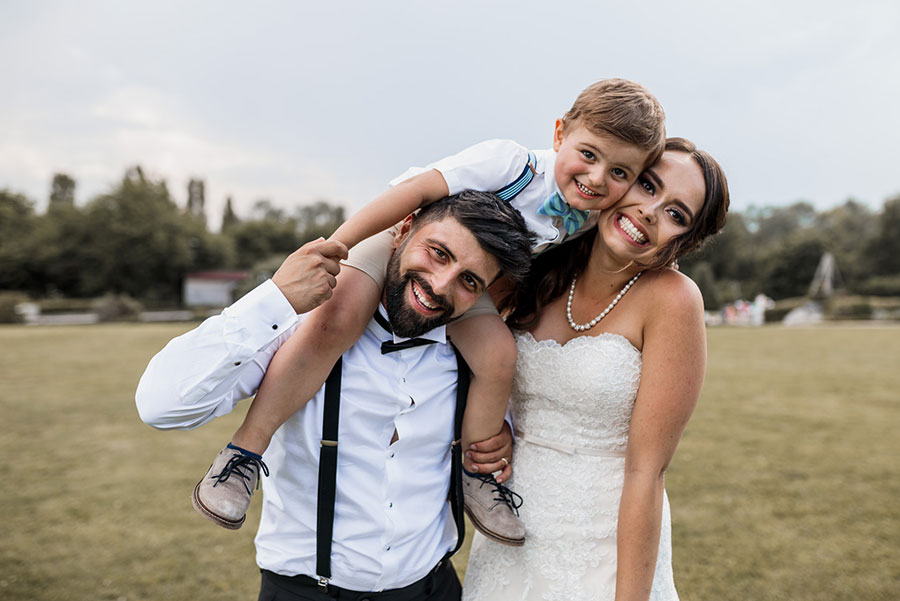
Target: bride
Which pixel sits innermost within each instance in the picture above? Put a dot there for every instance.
(612, 352)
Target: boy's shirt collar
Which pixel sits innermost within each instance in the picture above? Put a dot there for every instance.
(547, 165)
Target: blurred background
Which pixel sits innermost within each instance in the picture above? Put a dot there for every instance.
(158, 159)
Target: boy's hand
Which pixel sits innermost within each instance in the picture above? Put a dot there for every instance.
(307, 276)
(493, 454)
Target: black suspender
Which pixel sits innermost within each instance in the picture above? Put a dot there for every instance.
(456, 487)
(328, 472)
(328, 466)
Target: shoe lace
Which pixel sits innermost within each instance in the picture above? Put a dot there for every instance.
(503, 494)
(241, 466)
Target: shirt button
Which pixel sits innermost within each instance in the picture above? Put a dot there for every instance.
(392, 455)
(387, 548)
(390, 504)
(237, 362)
(404, 380)
(274, 326)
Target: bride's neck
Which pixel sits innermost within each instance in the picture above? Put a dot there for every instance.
(604, 271)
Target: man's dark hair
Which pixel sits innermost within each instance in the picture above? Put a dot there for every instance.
(499, 228)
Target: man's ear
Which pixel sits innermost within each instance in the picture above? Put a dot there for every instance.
(403, 230)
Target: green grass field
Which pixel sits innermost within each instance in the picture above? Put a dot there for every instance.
(785, 487)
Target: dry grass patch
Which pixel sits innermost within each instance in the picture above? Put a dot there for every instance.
(785, 486)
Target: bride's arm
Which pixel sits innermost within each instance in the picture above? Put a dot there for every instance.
(673, 365)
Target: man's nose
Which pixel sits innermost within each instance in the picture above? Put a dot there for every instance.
(442, 282)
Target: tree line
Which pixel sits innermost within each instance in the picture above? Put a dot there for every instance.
(776, 250)
(136, 241)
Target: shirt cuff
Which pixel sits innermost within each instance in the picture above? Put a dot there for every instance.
(259, 317)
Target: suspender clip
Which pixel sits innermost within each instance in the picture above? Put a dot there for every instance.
(329, 443)
(323, 585)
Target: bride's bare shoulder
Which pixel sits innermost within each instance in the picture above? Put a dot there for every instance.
(672, 289)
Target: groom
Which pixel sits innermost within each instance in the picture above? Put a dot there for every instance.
(392, 526)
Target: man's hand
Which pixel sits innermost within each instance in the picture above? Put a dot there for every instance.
(307, 276)
(493, 454)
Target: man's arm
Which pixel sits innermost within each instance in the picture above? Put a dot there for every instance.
(204, 373)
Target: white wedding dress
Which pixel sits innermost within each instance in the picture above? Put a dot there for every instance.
(572, 407)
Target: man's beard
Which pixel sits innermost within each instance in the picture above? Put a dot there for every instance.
(406, 322)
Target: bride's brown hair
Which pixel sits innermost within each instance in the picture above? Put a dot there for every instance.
(552, 272)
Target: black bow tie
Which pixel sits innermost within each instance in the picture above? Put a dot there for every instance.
(389, 346)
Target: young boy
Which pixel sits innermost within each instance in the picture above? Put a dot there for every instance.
(612, 132)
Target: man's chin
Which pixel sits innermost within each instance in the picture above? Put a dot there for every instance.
(410, 323)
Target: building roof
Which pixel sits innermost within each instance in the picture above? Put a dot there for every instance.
(221, 276)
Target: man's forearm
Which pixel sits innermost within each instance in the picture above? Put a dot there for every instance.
(204, 373)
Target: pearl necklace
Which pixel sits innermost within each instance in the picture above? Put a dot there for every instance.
(596, 320)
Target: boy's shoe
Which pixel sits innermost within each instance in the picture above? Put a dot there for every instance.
(223, 495)
(493, 509)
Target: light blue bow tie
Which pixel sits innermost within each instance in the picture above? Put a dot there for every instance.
(556, 206)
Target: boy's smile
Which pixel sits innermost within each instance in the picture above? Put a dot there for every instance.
(593, 171)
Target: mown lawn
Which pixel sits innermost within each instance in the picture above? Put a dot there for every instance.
(785, 486)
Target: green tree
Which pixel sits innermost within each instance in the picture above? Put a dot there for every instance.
(771, 225)
(229, 217)
(62, 191)
(884, 248)
(702, 274)
(731, 257)
(18, 224)
(790, 264)
(196, 204)
(848, 231)
(137, 242)
(319, 219)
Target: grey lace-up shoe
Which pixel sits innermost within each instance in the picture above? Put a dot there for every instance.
(223, 495)
(493, 509)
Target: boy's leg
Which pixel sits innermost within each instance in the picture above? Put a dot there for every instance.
(300, 367)
(490, 350)
(295, 374)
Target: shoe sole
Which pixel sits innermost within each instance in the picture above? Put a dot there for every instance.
(212, 517)
(512, 542)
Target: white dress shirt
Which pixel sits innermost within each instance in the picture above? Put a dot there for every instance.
(489, 166)
(392, 520)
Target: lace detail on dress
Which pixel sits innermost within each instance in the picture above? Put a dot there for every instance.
(581, 395)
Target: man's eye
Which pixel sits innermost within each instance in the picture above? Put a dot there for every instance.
(470, 282)
(439, 253)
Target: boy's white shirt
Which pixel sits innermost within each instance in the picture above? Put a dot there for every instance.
(491, 165)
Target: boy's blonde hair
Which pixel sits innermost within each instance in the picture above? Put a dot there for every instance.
(623, 109)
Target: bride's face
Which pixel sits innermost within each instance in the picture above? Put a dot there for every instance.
(662, 204)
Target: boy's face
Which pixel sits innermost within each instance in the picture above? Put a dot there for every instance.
(593, 171)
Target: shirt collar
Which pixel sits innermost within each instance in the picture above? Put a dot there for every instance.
(381, 323)
(549, 168)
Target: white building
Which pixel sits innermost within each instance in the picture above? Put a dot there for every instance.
(211, 288)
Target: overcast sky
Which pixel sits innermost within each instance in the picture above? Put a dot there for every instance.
(301, 101)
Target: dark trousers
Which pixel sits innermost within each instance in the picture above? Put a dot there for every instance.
(441, 584)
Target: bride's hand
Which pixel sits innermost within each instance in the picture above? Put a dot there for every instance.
(493, 454)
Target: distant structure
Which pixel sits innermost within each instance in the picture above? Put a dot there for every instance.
(211, 288)
(827, 279)
(197, 198)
